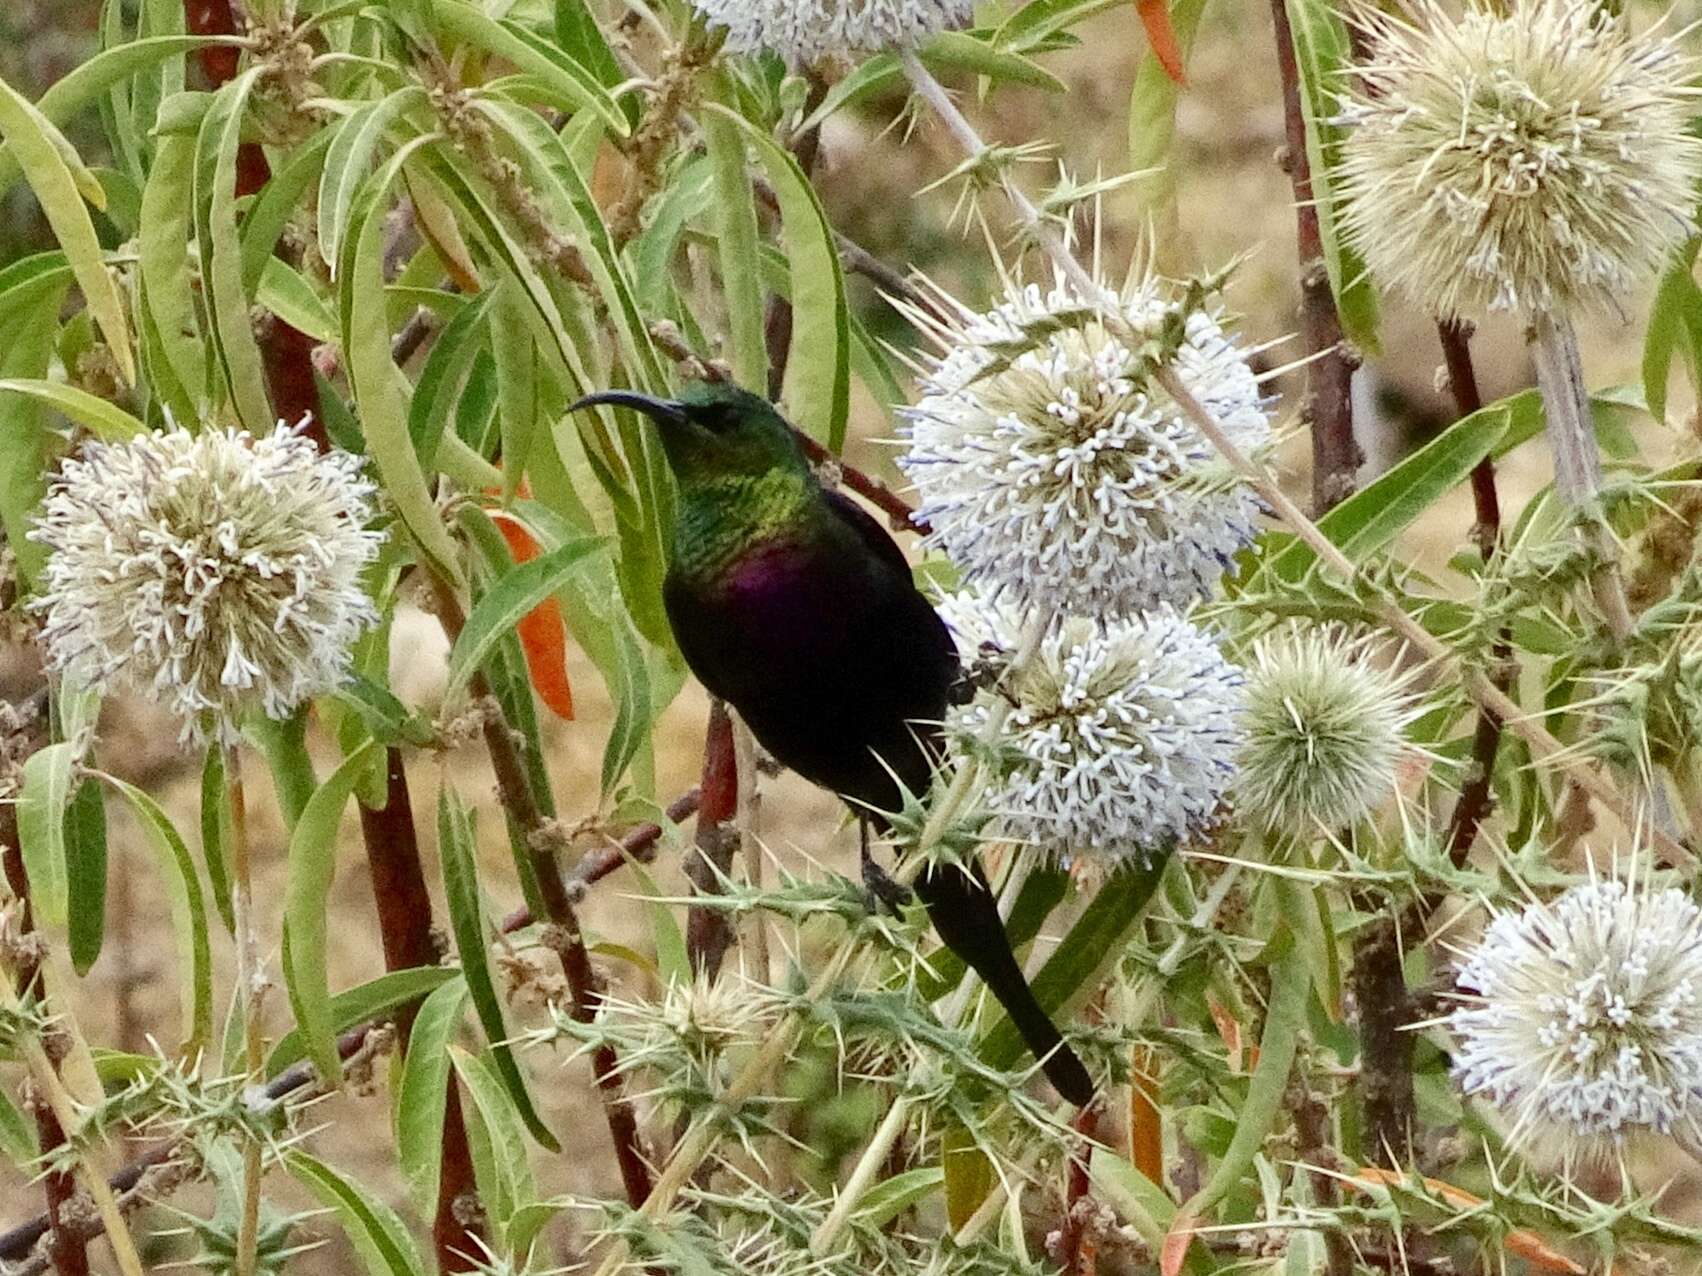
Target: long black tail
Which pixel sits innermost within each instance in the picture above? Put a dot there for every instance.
(964, 912)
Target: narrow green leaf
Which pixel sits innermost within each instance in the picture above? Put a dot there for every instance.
(734, 219)
(371, 1000)
(467, 921)
(890, 1197)
(216, 828)
(482, 1075)
(61, 183)
(188, 913)
(513, 43)
(312, 864)
(346, 164)
(516, 381)
(423, 1094)
(508, 600)
(31, 289)
(1093, 944)
(1152, 119)
(378, 1235)
(220, 249)
(42, 802)
(444, 376)
(162, 247)
(366, 341)
(1322, 54)
(85, 875)
(817, 391)
(108, 422)
(1675, 323)
(1291, 986)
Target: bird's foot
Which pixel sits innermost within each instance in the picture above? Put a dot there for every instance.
(883, 891)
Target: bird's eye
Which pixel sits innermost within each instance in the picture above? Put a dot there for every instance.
(717, 418)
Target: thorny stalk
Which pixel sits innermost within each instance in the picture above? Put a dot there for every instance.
(251, 984)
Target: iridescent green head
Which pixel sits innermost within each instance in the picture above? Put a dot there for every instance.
(715, 431)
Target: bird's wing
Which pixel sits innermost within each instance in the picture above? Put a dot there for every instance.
(870, 532)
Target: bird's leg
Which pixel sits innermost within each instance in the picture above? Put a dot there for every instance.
(883, 891)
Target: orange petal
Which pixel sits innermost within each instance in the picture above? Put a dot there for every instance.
(1146, 1131)
(543, 635)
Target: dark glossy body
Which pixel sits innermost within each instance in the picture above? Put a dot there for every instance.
(796, 607)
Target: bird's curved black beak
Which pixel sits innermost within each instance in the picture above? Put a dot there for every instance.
(665, 412)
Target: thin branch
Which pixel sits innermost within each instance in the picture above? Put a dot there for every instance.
(1336, 456)
(709, 931)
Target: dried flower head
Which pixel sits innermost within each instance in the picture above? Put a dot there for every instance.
(804, 31)
(1123, 737)
(1326, 731)
(1532, 157)
(1583, 1017)
(1054, 469)
(214, 572)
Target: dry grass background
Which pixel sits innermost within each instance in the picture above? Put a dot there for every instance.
(1234, 202)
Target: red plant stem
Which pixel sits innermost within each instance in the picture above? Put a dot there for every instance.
(709, 932)
(1080, 1246)
(562, 935)
(404, 928)
(1336, 456)
(1476, 791)
(68, 1250)
(285, 351)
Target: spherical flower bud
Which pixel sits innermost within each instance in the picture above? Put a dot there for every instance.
(1123, 738)
(1326, 732)
(804, 31)
(1054, 469)
(1528, 158)
(215, 573)
(1583, 1017)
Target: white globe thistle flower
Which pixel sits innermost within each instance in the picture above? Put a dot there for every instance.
(1583, 1017)
(1055, 470)
(1325, 732)
(804, 31)
(215, 573)
(1529, 158)
(1123, 737)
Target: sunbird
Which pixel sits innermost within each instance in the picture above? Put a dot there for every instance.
(797, 608)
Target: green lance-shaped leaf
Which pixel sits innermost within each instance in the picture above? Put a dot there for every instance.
(516, 1190)
(517, 381)
(1675, 324)
(507, 600)
(378, 1235)
(280, 201)
(424, 1093)
(1377, 513)
(1078, 966)
(467, 921)
(188, 913)
(106, 421)
(61, 183)
(312, 864)
(734, 221)
(371, 1000)
(85, 875)
(353, 144)
(217, 826)
(41, 829)
(82, 85)
(162, 247)
(817, 388)
(366, 341)
(1322, 55)
(1152, 119)
(31, 292)
(1291, 987)
(220, 249)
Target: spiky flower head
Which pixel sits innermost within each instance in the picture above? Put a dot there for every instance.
(805, 31)
(1583, 1017)
(1053, 467)
(1123, 737)
(1325, 731)
(1527, 157)
(214, 572)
